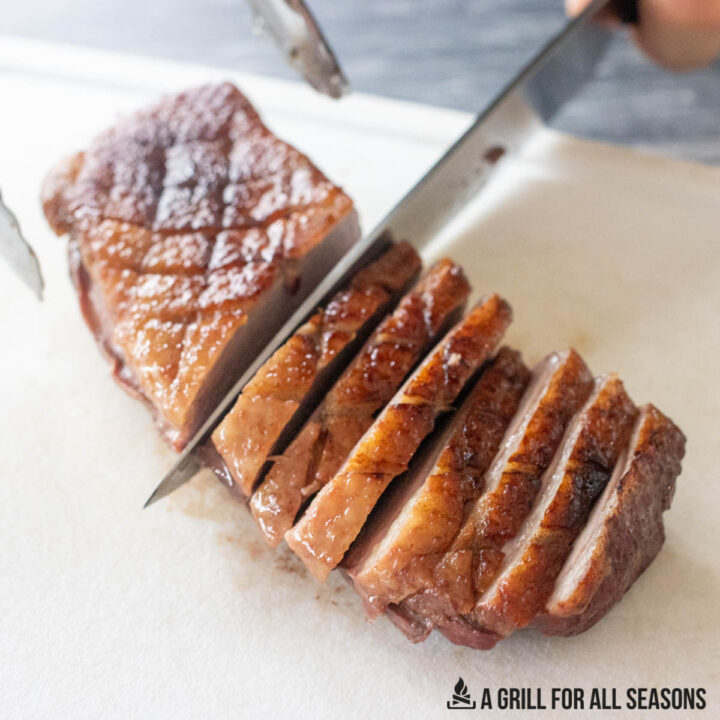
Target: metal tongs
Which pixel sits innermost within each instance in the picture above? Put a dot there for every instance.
(295, 31)
(18, 252)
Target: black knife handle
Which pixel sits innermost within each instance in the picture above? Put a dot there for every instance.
(627, 11)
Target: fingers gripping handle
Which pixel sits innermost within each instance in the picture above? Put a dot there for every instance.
(628, 11)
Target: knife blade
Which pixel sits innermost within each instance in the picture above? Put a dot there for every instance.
(18, 252)
(295, 31)
(533, 97)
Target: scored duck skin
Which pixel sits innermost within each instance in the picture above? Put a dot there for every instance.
(338, 512)
(364, 388)
(398, 553)
(282, 393)
(580, 470)
(625, 530)
(194, 232)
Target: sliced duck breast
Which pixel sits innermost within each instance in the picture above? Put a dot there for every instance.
(338, 512)
(367, 384)
(625, 530)
(579, 472)
(194, 233)
(561, 384)
(285, 390)
(396, 553)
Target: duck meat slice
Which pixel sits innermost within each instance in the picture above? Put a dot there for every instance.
(561, 383)
(625, 530)
(364, 388)
(338, 512)
(283, 393)
(579, 472)
(402, 542)
(194, 232)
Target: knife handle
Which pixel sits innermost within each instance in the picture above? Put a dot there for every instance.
(628, 11)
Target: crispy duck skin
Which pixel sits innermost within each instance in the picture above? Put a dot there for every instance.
(625, 530)
(338, 512)
(561, 383)
(284, 391)
(364, 388)
(193, 232)
(401, 545)
(580, 470)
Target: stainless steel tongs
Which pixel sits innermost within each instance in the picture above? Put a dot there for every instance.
(18, 252)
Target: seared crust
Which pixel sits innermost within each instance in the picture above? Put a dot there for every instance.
(339, 511)
(201, 159)
(625, 531)
(367, 384)
(579, 473)
(183, 218)
(300, 371)
(404, 549)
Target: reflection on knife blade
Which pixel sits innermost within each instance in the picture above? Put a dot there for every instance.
(18, 253)
(294, 30)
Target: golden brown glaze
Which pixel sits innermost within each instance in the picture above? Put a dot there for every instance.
(337, 514)
(185, 219)
(300, 371)
(562, 384)
(579, 472)
(412, 532)
(348, 410)
(625, 530)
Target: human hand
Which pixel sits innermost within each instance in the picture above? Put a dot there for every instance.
(677, 34)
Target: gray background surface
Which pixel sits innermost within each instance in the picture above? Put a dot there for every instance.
(452, 53)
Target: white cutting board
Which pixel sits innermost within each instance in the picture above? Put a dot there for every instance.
(179, 611)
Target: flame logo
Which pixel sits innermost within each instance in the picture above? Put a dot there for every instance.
(461, 688)
(461, 699)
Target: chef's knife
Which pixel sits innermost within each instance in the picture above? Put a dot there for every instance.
(536, 94)
(18, 253)
(294, 30)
